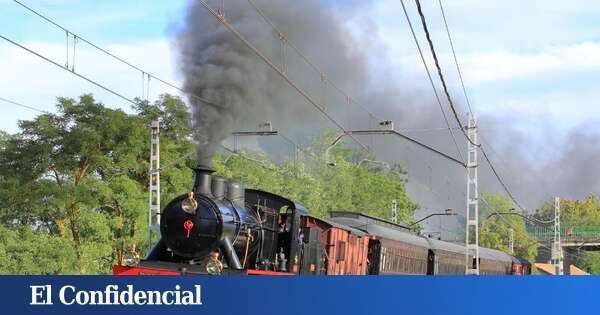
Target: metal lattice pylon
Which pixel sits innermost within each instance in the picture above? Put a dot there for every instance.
(557, 254)
(511, 241)
(472, 228)
(394, 211)
(154, 185)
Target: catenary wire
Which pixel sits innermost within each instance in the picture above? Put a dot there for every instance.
(517, 230)
(174, 86)
(462, 83)
(24, 106)
(451, 103)
(282, 74)
(437, 97)
(334, 85)
(67, 69)
(78, 37)
(439, 70)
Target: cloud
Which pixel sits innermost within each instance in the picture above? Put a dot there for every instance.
(30, 80)
(505, 65)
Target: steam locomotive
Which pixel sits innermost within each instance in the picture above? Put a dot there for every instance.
(221, 228)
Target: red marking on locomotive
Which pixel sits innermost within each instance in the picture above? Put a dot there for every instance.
(188, 225)
(267, 273)
(139, 271)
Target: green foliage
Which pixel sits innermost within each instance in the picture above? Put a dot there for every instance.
(590, 262)
(349, 185)
(585, 212)
(73, 195)
(78, 179)
(25, 251)
(580, 214)
(494, 229)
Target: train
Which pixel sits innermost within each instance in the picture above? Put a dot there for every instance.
(222, 228)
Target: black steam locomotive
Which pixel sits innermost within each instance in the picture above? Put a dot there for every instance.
(221, 228)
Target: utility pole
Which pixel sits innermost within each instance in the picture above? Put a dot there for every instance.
(154, 185)
(472, 229)
(395, 211)
(511, 241)
(557, 254)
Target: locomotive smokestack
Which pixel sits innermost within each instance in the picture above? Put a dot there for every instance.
(203, 179)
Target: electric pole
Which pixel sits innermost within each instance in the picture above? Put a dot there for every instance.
(395, 211)
(557, 254)
(511, 241)
(472, 230)
(154, 185)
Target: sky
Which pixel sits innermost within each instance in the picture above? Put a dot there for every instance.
(534, 59)
(531, 59)
(531, 63)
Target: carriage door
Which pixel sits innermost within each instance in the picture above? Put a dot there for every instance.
(430, 262)
(373, 257)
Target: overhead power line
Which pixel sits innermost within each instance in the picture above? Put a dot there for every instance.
(346, 95)
(437, 97)
(144, 72)
(497, 175)
(326, 79)
(514, 200)
(79, 37)
(451, 103)
(313, 65)
(24, 106)
(462, 83)
(499, 214)
(282, 74)
(69, 70)
(439, 71)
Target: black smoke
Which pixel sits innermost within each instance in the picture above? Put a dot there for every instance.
(243, 91)
(342, 40)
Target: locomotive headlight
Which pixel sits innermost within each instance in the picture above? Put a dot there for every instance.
(214, 265)
(189, 205)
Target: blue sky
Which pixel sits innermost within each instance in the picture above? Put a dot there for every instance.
(134, 30)
(536, 59)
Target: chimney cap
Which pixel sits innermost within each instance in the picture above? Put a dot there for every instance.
(203, 169)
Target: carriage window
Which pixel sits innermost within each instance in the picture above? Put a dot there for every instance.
(341, 251)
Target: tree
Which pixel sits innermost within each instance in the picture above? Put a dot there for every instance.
(26, 251)
(590, 262)
(577, 215)
(494, 229)
(585, 212)
(73, 185)
(321, 188)
(79, 176)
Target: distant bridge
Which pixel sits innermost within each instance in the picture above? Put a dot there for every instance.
(571, 236)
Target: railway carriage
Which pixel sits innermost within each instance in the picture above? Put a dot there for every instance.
(494, 262)
(394, 249)
(345, 248)
(446, 258)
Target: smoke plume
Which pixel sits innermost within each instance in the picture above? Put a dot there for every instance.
(243, 92)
